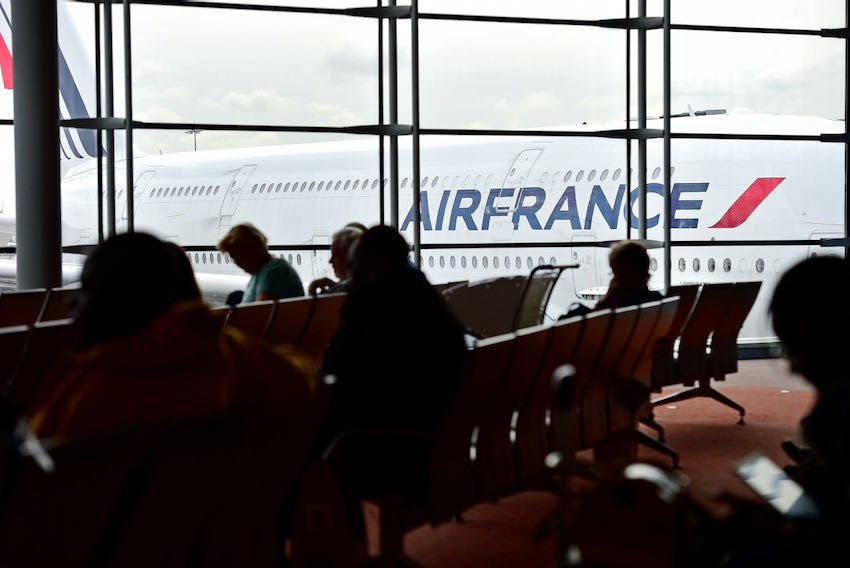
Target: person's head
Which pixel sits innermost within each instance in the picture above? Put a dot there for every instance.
(126, 282)
(380, 253)
(342, 243)
(356, 225)
(810, 310)
(247, 246)
(629, 262)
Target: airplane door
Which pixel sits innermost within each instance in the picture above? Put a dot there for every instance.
(234, 190)
(587, 274)
(502, 227)
(321, 258)
(138, 189)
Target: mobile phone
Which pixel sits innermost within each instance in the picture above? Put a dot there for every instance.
(773, 484)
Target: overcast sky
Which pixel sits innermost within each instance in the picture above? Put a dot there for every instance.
(247, 67)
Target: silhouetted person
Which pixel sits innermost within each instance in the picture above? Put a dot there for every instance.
(151, 350)
(342, 246)
(398, 355)
(629, 262)
(271, 278)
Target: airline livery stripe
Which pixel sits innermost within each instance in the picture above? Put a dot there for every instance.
(6, 56)
(76, 107)
(747, 203)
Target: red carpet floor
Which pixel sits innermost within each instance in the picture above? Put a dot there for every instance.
(709, 442)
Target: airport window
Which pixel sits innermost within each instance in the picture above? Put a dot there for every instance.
(682, 265)
(759, 265)
(711, 265)
(424, 182)
(474, 262)
(655, 173)
(653, 264)
(592, 175)
(696, 265)
(463, 262)
(579, 176)
(452, 261)
(442, 262)
(617, 173)
(727, 265)
(604, 175)
(567, 176)
(431, 261)
(496, 262)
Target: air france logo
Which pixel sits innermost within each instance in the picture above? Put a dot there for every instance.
(469, 209)
(6, 50)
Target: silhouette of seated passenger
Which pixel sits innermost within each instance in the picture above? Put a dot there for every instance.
(629, 262)
(151, 350)
(398, 354)
(342, 245)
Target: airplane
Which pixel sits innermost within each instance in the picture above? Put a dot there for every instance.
(490, 206)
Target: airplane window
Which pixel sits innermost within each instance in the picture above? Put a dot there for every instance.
(347, 183)
(478, 180)
(530, 263)
(653, 264)
(759, 265)
(617, 173)
(507, 262)
(672, 171)
(556, 176)
(655, 173)
(463, 262)
(312, 185)
(541, 261)
(303, 185)
(513, 171)
(591, 175)
(365, 183)
(204, 257)
(727, 265)
(152, 192)
(218, 257)
(431, 261)
(403, 183)
(696, 265)
(604, 175)
(484, 262)
(442, 262)
(120, 193)
(424, 182)
(375, 183)
(286, 187)
(553, 261)
(298, 259)
(194, 190)
(681, 265)
(216, 190)
(434, 182)
(321, 185)
(290, 258)
(518, 262)
(197, 259)
(386, 181)
(579, 175)
(474, 262)
(567, 176)
(356, 184)
(159, 193)
(329, 184)
(711, 265)
(489, 181)
(457, 181)
(254, 189)
(544, 177)
(226, 259)
(180, 192)
(173, 191)
(338, 183)
(496, 262)
(452, 261)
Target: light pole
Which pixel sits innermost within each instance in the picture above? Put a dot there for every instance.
(194, 132)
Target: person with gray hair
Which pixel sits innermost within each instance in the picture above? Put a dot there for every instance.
(343, 243)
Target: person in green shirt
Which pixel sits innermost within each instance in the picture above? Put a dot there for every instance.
(271, 278)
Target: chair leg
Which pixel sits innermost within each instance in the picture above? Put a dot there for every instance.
(702, 389)
(657, 445)
(649, 420)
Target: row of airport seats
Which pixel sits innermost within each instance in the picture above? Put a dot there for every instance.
(25, 307)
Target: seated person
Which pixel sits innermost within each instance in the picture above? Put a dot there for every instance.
(342, 245)
(398, 354)
(629, 262)
(151, 350)
(271, 278)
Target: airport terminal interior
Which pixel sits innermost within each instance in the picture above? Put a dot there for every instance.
(151, 417)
